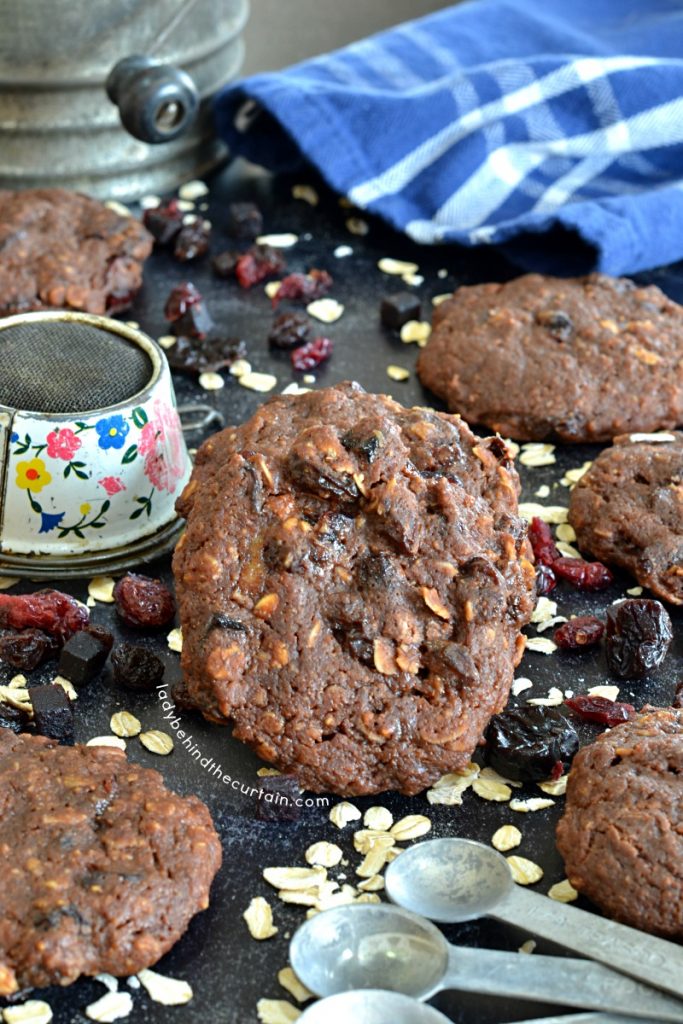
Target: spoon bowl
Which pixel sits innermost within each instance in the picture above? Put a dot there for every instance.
(371, 1006)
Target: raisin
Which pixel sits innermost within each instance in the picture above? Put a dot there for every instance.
(546, 580)
(164, 221)
(245, 220)
(677, 702)
(52, 712)
(638, 637)
(313, 354)
(224, 263)
(83, 657)
(290, 330)
(542, 543)
(142, 601)
(136, 668)
(600, 709)
(14, 719)
(103, 635)
(583, 575)
(180, 299)
(48, 610)
(192, 241)
(397, 310)
(557, 323)
(583, 631)
(189, 356)
(525, 744)
(258, 263)
(304, 287)
(220, 621)
(276, 800)
(26, 650)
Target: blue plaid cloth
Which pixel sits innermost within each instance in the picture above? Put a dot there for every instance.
(551, 127)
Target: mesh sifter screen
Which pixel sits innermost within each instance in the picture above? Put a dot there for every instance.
(67, 367)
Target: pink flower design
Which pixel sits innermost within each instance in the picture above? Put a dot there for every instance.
(161, 444)
(112, 484)
(62, 443)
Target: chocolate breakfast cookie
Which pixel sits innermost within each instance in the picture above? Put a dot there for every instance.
(63, 250)
(352, 583)
(621, 835)
(572, 360)
(102, 867)
(627, 510)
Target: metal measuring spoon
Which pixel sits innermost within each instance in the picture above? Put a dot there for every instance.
(452, 880)
(371, 1006)
(382, 946)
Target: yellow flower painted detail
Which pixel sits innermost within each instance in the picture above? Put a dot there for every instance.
(32, 476)
(85, 508)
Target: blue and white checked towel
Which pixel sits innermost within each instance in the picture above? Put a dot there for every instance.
(551, 127)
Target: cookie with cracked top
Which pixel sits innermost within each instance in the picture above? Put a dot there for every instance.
(352, 584)
(544, 358)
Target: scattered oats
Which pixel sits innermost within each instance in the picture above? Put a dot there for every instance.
(527, 947)
(490, 789)
(175, 640)
(397, 372)
(635, 591)
(368, 897)
(563, 892)
(193, 190)
(524, 872)
(259, 918)
(167, 340)
(492, 774)
(276, 1011)
(185, 205)
(294, 878)
(651, 437)
(294, 389)
(281, 241)
(164, 990)
(438, 299)
(357, 226)
(133, 982)
(8, 581)
(608, 692)
(412, 280)
(535, 454)
(326, 310)
(292, 984)
(554, 698)
(255, 381)
(272, 288)
(156, 742)
(512, 446)
(240, 367)
(572, 476)
(110, 1007)
(542, 492)
(548, 513)
(150, 202)
(341, 814)
(342, 251)
(449, 788)
(211, 381)
(398, 267)
(520, 685)
(109, 981)
(540, 645)
(411, 827)
(113, 204)
(18, 682)
(392, 853)
(123, 723)
(379, 819)
(367, 839)
(565, 532)
(375, 859)
(442, 273)
(268, 773)
(90, 602)
(507, 837)
(533, 803)
(329, 899)
(567, 550)
(107, 741)
(307, 193)
(545, 609)
(190, 218)
(554, 787)
(300, 897)
(324, 854)
(549, 623)
(345, 203)
(308, 378)
(374, 883)
(16, 698)
(34, 1011)
(101, 588)
(67, 686)
(416, 331)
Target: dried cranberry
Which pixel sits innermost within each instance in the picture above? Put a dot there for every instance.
(142, 601)
(190, 356)
(49, 610)
(600, 709)
(638, 637)
(180, 299)
(526, 743)
(542, 543)
(245, 220)
(277, 799)
(313, 354)
(164, 221)
(192, 241)
(305, 287)
(258, 263)
(583, 575)
(26, 650)
(677, 702)
(136, 668)
(583, 631)
(224, 263)
(290, 330)
(546, 580)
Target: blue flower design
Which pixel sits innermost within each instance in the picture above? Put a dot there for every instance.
(14, 437)
(112, 432)
(49, 522)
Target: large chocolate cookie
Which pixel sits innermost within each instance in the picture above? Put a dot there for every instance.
(628, 510)
(570, 360)
(60, 249)
(621, 836)
(352, 583)
(102, 867)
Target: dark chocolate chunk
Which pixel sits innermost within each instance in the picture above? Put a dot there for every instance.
(245, 220)
(397, 310)
(52, 712)
(83, 657)
(277, 799)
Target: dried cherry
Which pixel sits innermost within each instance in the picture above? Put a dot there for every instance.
(546, 580)
(192, 241)
(583, 575)
(143, 602)
(26, 650)
(136, 668)
(638, 637)
(600, 709)
(290, 330)
(525, 744)
(304, 287)
(258, 263)
(164, 221)
(542, 543)
(312, 354)
(188, 356)
(245, 220)
(48, 610)
(180, 299)
(583, 631)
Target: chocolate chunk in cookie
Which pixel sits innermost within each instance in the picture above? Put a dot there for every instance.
(573, 360)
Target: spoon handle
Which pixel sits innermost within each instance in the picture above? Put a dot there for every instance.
(553, 979)
(645, 957)
(587, 1018)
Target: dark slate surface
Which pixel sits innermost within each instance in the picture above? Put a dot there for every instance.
(229, 971)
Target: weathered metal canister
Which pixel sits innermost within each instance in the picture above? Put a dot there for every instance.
(57, 124)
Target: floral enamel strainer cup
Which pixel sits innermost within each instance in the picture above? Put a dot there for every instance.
(92, 451)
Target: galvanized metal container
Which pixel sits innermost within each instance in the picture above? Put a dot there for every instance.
(57, 126)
